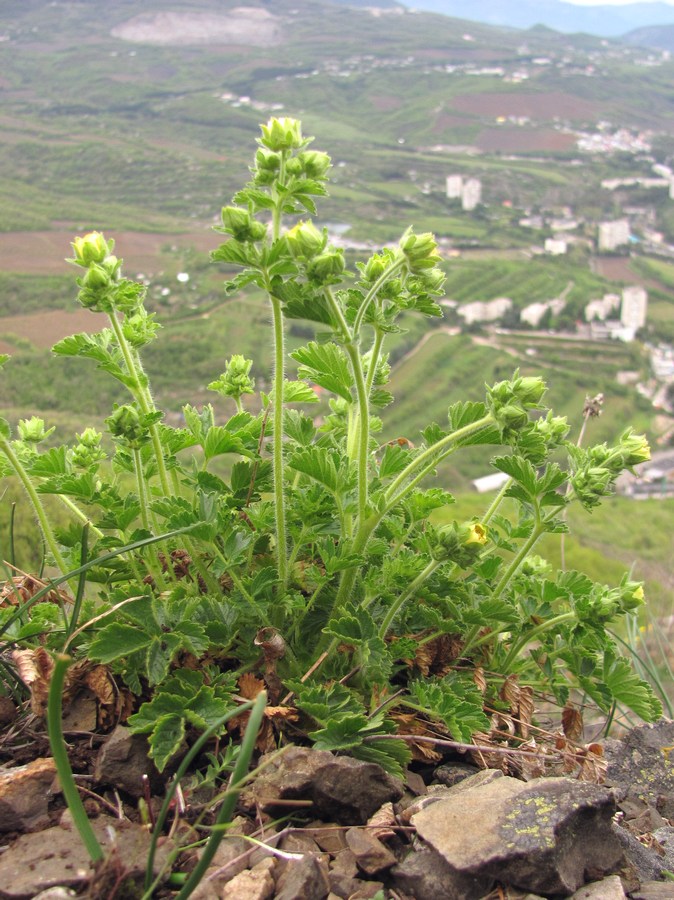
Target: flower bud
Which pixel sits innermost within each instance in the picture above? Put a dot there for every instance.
(315, 164)
(634, 448)
(375, 267)
(326, 268)
(32, 430)
(461, 543)
(432, 280)
(420, 251)
(267, 161)
(97, 278)
(89, 437)
(140, 328)
(294, 167)
(235, 380)
(92, 248)
(305, 240)
(530, 390)
(282, 134)
(553, 429)
(241, 225)
(126, 424)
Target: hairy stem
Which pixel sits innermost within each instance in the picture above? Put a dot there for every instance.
(392, 270)
(45, 525)
(397, 604)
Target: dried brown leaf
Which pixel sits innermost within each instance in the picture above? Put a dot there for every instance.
(525, 710)
(23, 588)
(510, 692)
(410, 723)
(572, 723)
(480, 680)
(383, 823)
(282, 713)
(250, 686)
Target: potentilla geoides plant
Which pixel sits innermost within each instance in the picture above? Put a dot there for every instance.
(315, 568)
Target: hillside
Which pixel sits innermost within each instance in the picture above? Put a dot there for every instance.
(141, 126)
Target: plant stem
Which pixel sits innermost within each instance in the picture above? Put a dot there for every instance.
(518, 559)
(140, 487)
(45, 526)
(363, 420)
(521, 643)
(430, 457)
(374, 359)
(81, 515)
(496, 502)
(60, 754)
(142, 396)
(405, 596)
(279, 495)
(374, 290)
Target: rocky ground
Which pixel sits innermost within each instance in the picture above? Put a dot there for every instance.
(313, 826)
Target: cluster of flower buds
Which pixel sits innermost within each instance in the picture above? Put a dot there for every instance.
(128, 425)
(322, 263)
(235, 381)
(140, 328)
(509, 402)
(242, 226)
(420, 251)
(87, 453)
(596, 469)
(461, 543)
(32, 430)
(283, 134)
(98, 286)
(604, 604)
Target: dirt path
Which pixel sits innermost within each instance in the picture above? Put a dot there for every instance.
(43, 252)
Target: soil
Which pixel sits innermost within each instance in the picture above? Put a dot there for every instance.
(532, 105)
(44, 252)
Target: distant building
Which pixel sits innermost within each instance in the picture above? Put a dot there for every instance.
(533, 313)
(454, 186)
(555, 246)
(490, 482)
(633, 307)
(600, 310)
(613, 234)
(471, 194)
(484, 312)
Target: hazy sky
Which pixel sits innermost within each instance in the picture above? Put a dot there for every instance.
(614, 2)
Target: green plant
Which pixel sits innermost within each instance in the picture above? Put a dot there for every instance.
(300, 552)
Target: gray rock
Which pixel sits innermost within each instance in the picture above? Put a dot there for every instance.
(306, 878)
(252, 884)
(665, 837)
(639, 766)
(452, 773)
(425, 875)
(25, 794)
(56, 893)
(123, 760)
(607, 889)
(371, 855)
(342, 789)
(654, 890)
(640, 863)
(57, 857)
(544, 836)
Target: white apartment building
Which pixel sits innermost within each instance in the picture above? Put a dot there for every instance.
(454, 186)
(633, 307)
(613, 234)
(471, 195)
(555, 246)
(600, 310)
(484, 312)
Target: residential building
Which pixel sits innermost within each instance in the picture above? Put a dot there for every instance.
(484, 312)
(633, 307)
(613, 234)
(471, 194)
(555, 246)
(600, 310)
(454, 186)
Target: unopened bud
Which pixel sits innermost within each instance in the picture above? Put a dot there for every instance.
(282, 134)
(92, 248)
(326, 268)
(305, 240)
(33, 431)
